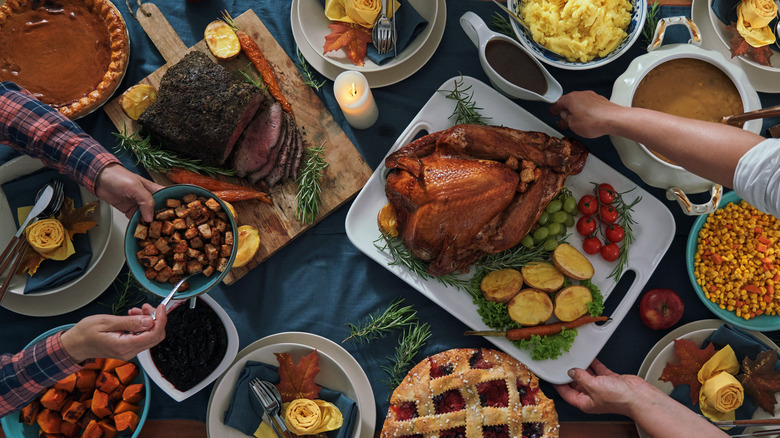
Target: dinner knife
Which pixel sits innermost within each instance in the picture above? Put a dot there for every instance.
(266, 417)
(43, 201)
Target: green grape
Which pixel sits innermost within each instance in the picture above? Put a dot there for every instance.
(570, 204)
(528, 241)
(550, 244)
(559, 217)
(544, 219)
(569, 221)
(554, 229)
(541, 233)
(553, 206)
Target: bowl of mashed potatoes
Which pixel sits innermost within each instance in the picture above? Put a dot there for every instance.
(578, 34)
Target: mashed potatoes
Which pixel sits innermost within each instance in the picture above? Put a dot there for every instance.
(580, 30)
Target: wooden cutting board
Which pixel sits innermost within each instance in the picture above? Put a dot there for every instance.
(345, 175)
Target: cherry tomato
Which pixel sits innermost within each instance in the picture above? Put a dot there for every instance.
(586, 225)
(606, 193)
(591, 245)
(588, 205)
(608, 214)
(610, 252)
(614, 233)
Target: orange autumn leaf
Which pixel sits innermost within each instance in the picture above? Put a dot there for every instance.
(760, 379)
(353, 37)
(687, 371)
(740, 47)
(297, 381)
(31, 260)
(79, 220)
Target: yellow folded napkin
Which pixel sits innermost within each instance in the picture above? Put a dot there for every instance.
(723, 360)
(50, 239)
(310, 417)
(719, 396)
(264, 431)
(362, 12)
(753, 18)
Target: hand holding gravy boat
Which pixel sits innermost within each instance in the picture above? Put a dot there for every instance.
(653, 169)
(510, 68)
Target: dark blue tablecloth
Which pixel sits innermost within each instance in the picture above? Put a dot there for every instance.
(320, 281)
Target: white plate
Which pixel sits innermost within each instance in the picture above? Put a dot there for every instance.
(314, 25)
(762, 80)
(663, 352)
(347, 377)
(724, 36)
(654, 231)
(230, 353)
(99, 236)
(396, 72)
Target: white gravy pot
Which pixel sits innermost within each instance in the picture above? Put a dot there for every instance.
(658, 173)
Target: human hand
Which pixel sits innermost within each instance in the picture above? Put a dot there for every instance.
(126, 191)
(117, 337)
(585, 112)
(599, 390)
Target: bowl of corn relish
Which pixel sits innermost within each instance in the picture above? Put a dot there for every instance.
(731, 261)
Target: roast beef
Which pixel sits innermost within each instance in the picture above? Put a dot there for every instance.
(201, 109)
(253, 148)
(289, 133)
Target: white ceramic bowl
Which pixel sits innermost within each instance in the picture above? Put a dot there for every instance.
(638, 16)
(98, 236)
(724, 36)
(232, 348)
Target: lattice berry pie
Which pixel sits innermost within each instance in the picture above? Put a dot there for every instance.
(471, 393)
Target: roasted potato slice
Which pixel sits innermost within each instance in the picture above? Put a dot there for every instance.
(530, 307)
(500, 286)
(136, 99)
(387, 221)
(572, 263)
(222, 40)
(543, 276)
(572, 302)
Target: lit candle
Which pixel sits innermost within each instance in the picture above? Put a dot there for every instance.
(355, 99)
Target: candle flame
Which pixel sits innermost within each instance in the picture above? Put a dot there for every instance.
(352, 91)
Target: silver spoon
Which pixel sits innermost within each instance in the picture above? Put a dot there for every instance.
(173, 292)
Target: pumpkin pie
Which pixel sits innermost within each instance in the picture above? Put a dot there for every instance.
(70, 54)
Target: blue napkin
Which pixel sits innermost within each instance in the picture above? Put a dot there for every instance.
(245, 413)
(744, 345)
(408, 24)
(51, 273)
(7, 153)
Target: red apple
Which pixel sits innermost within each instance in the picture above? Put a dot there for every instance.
(660, 308)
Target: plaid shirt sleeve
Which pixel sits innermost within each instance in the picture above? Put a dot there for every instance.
(24, 375)
(38, 130)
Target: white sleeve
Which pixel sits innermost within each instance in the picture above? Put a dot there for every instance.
(757, 177)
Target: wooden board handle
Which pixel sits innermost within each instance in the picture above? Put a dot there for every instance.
(167, 41)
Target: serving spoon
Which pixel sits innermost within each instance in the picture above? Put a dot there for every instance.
(762, 113)
(173, 292)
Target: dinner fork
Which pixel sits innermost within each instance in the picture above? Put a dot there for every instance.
(382, 34)
(18, 245)
(272, 406)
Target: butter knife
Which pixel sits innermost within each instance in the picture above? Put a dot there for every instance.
(42, 202)
(395, 36)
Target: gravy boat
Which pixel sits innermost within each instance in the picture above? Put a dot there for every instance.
(481, 35)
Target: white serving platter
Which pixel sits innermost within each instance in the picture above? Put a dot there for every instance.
(654, 230)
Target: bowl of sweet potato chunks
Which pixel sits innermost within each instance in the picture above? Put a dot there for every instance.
(192, 232)
(106, 398)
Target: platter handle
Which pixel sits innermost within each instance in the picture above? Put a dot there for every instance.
(660, 30)
(160, 31)
(691, 209)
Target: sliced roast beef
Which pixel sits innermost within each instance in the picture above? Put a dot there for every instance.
(276, 151)
(253, 149)
(201, 109)
(298, 156)
(277, 172)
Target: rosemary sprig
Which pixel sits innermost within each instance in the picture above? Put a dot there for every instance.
(308, 197)
(502, 25)
(409, 344)
(378, 324)
(515, 257)
(626, 221)
(466, 110)
(253, 80)
(128, 294)
(651, 22)
(307, 73)
(403, 257)
(154, 158)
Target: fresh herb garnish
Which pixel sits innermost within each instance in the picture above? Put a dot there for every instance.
(651, 22)
(378, 324)
(307, 73)
(253, 80)
(466, 110)
(403, 257)
(626, 221)
(502, 25)
(550, 346)
(308, 197)
(595, 307)
(128, 294)
(155, 158)
(409, 344)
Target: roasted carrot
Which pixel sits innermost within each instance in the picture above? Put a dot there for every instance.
(551, 329)
(253, 52)
(223, 190)
(241, 195)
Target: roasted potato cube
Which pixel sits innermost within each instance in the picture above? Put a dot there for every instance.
(196, 204)
(160, 265)
(154, 230)
(213, 204)
(222, 265)
(167, 228)
(165, 215)
(205, 231)
(162, 245)
(164, 274)
(178, 268)
(176, 237)
(180, 257)
(208, 270)
(148, 261)
(181, 247)
(211, 251)
(221, 225)
(193, 267)
(182, 211)
(140, 231)
(172, 203)
(180, 224)
(228, 238)
(193, 253)
(191, 233)
(143, 243)
(225, 250)
(189, 197)
(196, 242)
(150, 250)
(221, 215)
(150, 274)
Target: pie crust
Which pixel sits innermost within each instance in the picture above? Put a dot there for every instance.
(70, 54)
(473, 393)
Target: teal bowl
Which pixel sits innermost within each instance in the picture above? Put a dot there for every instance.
(199, 284)
(14, 429)
(761, 323)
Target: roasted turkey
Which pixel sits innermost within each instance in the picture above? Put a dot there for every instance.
(473, 190)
